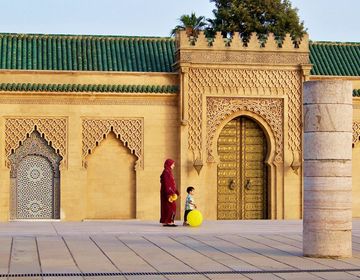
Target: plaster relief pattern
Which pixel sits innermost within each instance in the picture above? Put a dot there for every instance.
(356, 133)
(129, 131)
(235, 82)
(271, 110)
(53, 130)
(241, 57)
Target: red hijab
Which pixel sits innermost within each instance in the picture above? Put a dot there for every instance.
(167, 178)
(168, 163)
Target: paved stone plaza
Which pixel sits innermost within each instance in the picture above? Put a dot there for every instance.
(145, 250)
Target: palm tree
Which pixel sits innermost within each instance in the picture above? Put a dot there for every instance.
(191, 23)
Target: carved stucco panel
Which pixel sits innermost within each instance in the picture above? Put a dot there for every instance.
(242, 57)
(271, 110)
(240, 82)
(356, 133)
(129, 131)
(53, 130)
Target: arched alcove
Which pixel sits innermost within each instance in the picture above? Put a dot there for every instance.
(35, 180)
(111, 186)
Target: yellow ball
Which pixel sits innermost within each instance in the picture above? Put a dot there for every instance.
(195, 218)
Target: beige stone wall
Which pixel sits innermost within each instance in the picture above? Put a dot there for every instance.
(87, 184)
(264, 84)
(111, 184)
(87, 77)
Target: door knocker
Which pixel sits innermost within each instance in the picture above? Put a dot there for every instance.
(248, 184)
(232, 185)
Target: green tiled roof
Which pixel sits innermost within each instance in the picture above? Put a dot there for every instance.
(140, 54)
(86, 53)
(335, 59)
(87, 88)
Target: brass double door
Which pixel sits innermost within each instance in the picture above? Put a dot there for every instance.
(242, 178)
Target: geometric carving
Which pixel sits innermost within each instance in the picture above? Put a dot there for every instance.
(53, 130)
(35, 180)
(270, 109)
(34, 189)
(129, 131)
(219, 57)
(234, 81)
(294, 116)
(356, 133)
(244, 82)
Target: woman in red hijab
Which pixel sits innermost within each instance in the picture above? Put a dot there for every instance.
(168, 188)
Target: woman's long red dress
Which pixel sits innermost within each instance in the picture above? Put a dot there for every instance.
(168, 187)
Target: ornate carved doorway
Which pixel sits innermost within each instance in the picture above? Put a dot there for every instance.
(35, 180)
(242, 176)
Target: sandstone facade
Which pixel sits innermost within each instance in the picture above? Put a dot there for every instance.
(114, 129)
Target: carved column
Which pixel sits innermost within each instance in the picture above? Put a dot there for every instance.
(327, 169)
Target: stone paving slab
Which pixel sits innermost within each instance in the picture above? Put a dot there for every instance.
(188, 256)
(123, 258)
(24, 256)
(254, 260)
(159, 259)
(5, 249)
(55, 256)
(145, 250)
(88, 256)
(231, 262)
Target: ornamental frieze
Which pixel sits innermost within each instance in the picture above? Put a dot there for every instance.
(53, 130)
(269, 109)
(219, 57)
(129, 131)
(227, 80)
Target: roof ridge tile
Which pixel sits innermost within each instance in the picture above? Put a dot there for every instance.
(43, 87)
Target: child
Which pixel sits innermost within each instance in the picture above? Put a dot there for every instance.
(189, 204)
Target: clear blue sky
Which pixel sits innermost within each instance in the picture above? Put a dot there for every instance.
(326, 20)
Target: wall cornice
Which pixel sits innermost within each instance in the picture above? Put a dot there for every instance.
(169, 100)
